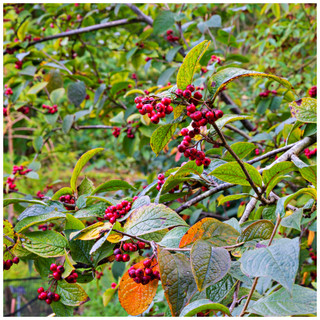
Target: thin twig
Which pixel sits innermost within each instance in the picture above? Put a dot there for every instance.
(58, 63)
(235, 297)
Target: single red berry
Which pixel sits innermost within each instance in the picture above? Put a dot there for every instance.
(60, 269)
(118, 257)
(146, 280)
(50, 295)
(181, 148)
(191, 108)
(43, 296)
(139, 273)
(15, 260)
(137, 280)
(113, 219)
(56, 297)
(170, 31)
(206, 162)
(179, 92)
(187, 94)
(197, 115)
(48, 301)
(199, 162)
(190, 87)
(148, 271)
(184, 131)
(197, 95)
(147, 263)
(132, 273)
(156, 274)
(125, 257)
(40, 290)
(166, 101)
(113, 285)
(141, 245)
(219, 114)
(56, 275)
(125, 247)
(160, 176)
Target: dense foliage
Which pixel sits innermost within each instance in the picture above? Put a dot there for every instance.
(167, 147)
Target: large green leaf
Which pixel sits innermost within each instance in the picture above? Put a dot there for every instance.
(304, 110)
(241, 149)
(282, 304)
(37, 87)
(80, 164)
(202, 305)
(85, 187)
(277, 170)
(46, 243)
(43, 218)
(163, 21)
(173, 237)
(259, 230)
(72, 223)
(76, 93)
(71, 294)
(161, 136)
(219, 290)
(61, 310)
(95, 210)
(190, 63)
(38, 209)
(176, 279)
(220, 79)
(280, 261)
(6, 202)
(151, 218)
(208, 264)
(80, 251)
(310, 174)
(231, 172)
(112, 185)
(294, 220)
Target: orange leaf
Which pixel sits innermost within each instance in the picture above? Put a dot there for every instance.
(211, 230)
(136, 298)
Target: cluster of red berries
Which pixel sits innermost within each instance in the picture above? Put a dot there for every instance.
(72, 277)
(313, 92)
(128, 247)
(116, 132)
(18, 65)
(140, 44)
(57, 271)
(67, 199)
(8, 263)
(113, 213)
(312, 255)
(309, 153)
(24, 109)
(40, 195)
(187, 94)
(161, 109)
(145, 275)
(171, 37)
(99, 274)
(119, 256)
(160, 181)
(47, 295)
(8, 90)
(16, 170)
(45, 227)
(267, 92)
(215, 58)
(51, 110)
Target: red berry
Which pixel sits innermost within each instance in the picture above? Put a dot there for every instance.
(206, 162)
(43, 296)
(60, 269)
(132, 273)
(118, 257)
(190, 87)
(137, 280)
(170, 31)
(181, 148)
(197, 95)
(56, 297)
(199, 162)
(125, 247)
(184, 131)
(113, 219)
(187, 94)
(148, 271)
(50, 295)
(197, 115)
(166, 101)
(160, 176)
(125, 257)
(191, 108)
(147, 263)
(40, 290)
(219, 114)
(139, 273)
(15, 260)
(113, 285)
(56, 275)
(48, 301)
(179, 92)
(141, 245)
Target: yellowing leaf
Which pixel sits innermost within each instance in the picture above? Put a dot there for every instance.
(136, 298)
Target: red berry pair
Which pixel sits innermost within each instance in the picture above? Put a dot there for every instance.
(8, 263)
(121, 257)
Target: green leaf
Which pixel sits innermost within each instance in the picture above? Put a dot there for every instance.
(277, 170)
(218, 291)
(202, 305)
(279, 261)
(274, 182)
(221, 78)
(259, 230)
(113, 185)
(37, 87)
(163, 21)
(67, 122)
(6, 202)
(227, 118)
(57, 95)
(61, 192)
(89, 233)
(73, 223)
(304, 110)
(80, 251)
(310, 174)
(282, 304)
(46, 243)
(105, 250)
(71, 294)
(172, 53)
(76, 93)
(37, 144)
(61, 310)
(231, 172)
(176, 279)
(241, 149)
(42, 265)
(223, 200)
(208, 264)
(80, 164)
(30, 221)
(21, 33)
(96, 210)
(151, 218)
(294, 220)
(107, 296)
(161, 136)
(38, 209)
(119, 86)
(165, 76)
(190, 63)
(173, 237)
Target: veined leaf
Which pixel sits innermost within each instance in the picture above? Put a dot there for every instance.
(71, 294)
(161, 136)
(61, 192)
(112, 185)
(241, 149)
(202, 305)
(190, 62)
(80, 164)
(277, 170)
(220, 79)
(223, 200)
(6, 202)
(304, 110)
(258, 230)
